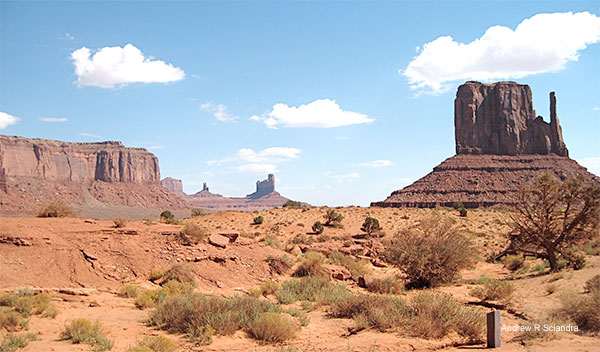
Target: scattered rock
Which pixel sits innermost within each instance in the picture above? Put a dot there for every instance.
(17, 241)
(337, 272)
(218, 240)
(231, 235)
(365, 280)
(378, 263)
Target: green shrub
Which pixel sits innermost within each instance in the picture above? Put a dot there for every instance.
(120, 222)
(139, 348)
(258, 220)
(431, 254)
(11, 320)
(56, 209)
(147, 299)
(181, 272)
(333, 218)
(201, 335)
(311, 263)
(513, 262)
(159, 344)
(272, 327)
(462, 212)
(167, 217)
(7, 299)
(191, 234)
(378, 312)
(129, 291)
(12, 342)
(356, 268)
(318, 228)
(304, 289)
(386, 285)
(155, 275)
(370, 226)
(82, 330)
(198, 212)
(494, 290)
(292, 204)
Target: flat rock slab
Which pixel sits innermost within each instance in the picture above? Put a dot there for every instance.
(231, 235)
(218, 240)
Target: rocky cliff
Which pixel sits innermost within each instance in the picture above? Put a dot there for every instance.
(264, 187)
(499, 119)
(172, 185)
(36, 171)
(77, 162)
(500, 144)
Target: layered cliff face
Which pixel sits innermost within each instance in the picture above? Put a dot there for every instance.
(500, 144)
(499, 119)
(77, 162)
(172, 185)
(264, 187)
(87, 175)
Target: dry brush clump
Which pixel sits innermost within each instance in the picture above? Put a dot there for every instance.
(16, 308)
(155, 344)
(494, 290)
(356, 268)
(56, 209)
(82, 330)
(432, 253)
(193, 313)
(583, 309)
(12, 342)
(310, 288)
(279, 265)
(191, 234)
(387, 285)
(311, 264)
(333, 218)
(272, 327)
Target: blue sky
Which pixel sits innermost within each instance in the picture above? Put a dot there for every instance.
(344, 101)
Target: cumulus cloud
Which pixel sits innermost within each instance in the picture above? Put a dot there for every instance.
(115, 66)
(219, 111)
(263, 161)
(592, 164)
(7, 120)
(542, 43)
(54, 119)
(321, 113)
(377, 163)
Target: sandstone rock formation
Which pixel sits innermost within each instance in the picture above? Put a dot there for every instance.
(34, 171)
(499, 119)
(172, 185)
(264, 197)
(499, 144)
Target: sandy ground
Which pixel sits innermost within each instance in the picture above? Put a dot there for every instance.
(93, 259)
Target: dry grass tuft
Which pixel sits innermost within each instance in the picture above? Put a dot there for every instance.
(272, 327)
(56, 209)
(494, 290)
(191, 234)
(386, 285)
(311, 264)
(82, 330)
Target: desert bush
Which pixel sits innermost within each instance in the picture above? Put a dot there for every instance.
(431, 254)
(191, 234)
(159, 344)
(120, 222)
(155, 275)
(82, 330)
(540, 334)
(181, 272)
(458, 205)
(434, 315)
(304, 289)
(272, 327)
(201, 335)
(546, 202)
(258, 220)
(387, 285)
(268, 288)
(333, 218)
(129, 291)
(323, 238)
(582, 309)
(513, 262)
(7, 299)
(11, 320)
(167, 217)
(318, 228)
(12, 342)
(494, 290)
(56, 209)
(462, 212)
(356, 268)
(593, 284)
(139, 348)
(279, 265)
(370, 226)
(311, 263)
(198, 212)
(186, 313)
(40, 304)
(375, 311)
(292, 204)
(147, 299)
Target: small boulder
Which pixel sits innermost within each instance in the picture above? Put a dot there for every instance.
(365, 280)
(231, 235)
(218, 240)
(338, 272)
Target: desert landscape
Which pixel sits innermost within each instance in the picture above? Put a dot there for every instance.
(105, 248)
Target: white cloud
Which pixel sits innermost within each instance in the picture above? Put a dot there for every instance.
(54, 119)
(7, 120)
(592, 164)
(116, 66)
(69, 36)
(542, 43)
(321, 113)
(262, 161)
(377, 163)
(596, 108)
(346, 177)
(258, 168)
(91, 135)
(219, 111)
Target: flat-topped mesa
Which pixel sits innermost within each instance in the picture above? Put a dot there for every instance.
(264, 187)
(172, 185)
(49, 160)
(499, 119)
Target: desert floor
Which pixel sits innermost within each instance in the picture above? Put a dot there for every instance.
(83, 263)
